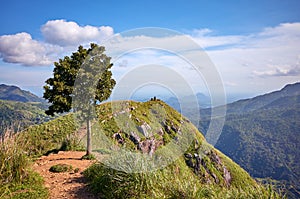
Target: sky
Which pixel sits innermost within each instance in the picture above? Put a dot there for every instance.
(249, 47)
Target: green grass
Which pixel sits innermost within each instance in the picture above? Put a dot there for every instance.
(52, 136)
(177, 180)
(17, 180)
(19, 150)
(60, 168)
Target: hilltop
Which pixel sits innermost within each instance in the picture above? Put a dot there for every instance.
(154, 130)
(262, 135)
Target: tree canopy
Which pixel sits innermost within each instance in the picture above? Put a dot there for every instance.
(79, 82)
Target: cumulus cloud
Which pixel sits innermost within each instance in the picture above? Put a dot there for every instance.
(247, 60)
(243, 61)
(69, 33)
(59, 37)
(21, 48)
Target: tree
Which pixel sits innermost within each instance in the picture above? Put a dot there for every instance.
(83, 79)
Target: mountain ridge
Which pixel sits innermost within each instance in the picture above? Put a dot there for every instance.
(14, 93)
(262, 135)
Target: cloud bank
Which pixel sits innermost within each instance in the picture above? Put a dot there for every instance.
(244, 61)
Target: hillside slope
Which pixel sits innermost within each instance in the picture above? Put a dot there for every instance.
(14, 93)
(137, 138)
(262, 135)
(133, 137)
(18, 115)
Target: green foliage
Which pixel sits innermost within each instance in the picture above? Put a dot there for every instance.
(80, 82)
(85, 65)
(59, 168)
(16, 178)
(88, 157)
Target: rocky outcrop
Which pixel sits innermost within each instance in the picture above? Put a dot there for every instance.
(145, 129)
(199, 165)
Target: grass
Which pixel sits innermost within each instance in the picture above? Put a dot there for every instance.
(17, 180)
(111, 179)
(18, 151)
(177, 180)
(60, 168)
(52, 136)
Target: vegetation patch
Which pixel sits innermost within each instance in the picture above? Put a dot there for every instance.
(17, 180)
(60, 168)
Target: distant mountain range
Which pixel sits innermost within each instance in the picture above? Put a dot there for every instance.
(262, 134)
(20, 109)
(14, 93)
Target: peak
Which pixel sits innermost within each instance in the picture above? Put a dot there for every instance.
(14, 93)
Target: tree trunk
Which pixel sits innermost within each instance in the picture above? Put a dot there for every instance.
(89, 139)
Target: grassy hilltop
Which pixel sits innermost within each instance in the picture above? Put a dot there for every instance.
(152, 129)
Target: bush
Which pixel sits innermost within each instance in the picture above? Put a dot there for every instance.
(59, 168)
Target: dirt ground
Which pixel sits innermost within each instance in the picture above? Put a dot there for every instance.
(69, 185)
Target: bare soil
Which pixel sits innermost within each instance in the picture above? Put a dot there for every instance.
(69, 185)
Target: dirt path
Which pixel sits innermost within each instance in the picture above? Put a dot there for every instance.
(69, 185)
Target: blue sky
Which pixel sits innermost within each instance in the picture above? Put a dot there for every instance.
(253, 44)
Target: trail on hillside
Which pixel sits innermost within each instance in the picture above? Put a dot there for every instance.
(71, 185)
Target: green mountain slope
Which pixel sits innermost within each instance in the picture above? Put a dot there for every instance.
(148, 130)
(262, 135)
(147, 133)
(18, 115)
(14, 93)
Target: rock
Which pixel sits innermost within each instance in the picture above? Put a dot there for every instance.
(174, 128)
(119, 138)
(215, 158)
(168, 129)
(227, 176)
(215, 178)
(198, 164)
(152, 147)
(144, 129)
(160, 132)
(134, 138)
(188, 155)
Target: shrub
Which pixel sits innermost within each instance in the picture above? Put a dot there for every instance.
(59, 168)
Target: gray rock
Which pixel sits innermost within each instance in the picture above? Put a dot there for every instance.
(227, 176)
(134, 138)
(145, 129)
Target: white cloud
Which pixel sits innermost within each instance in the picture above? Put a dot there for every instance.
(256, 62)
(21, 48)
(264, 60)
(69, 33)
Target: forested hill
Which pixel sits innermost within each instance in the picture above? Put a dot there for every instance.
(20, 109)
(14, 93)
(262, 134)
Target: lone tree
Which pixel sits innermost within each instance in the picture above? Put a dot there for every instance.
(84, 76)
